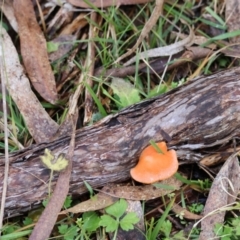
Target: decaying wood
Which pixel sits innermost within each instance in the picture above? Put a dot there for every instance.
(201, 114)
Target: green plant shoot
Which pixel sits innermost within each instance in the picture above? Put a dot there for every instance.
(156, 147)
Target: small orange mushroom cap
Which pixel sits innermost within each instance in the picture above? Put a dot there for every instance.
(154, 166)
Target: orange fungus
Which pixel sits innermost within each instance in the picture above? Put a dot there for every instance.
(154, 166)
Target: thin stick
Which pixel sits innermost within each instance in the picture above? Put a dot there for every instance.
(90, 61)
(6, 169)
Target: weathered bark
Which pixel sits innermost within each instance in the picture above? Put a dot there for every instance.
(201, 114)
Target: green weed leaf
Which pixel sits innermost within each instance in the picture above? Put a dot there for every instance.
(52, 47)
(67, 202)
(91, 221)
(63, 228)
(127, 222)
(166, 228)
(45, 202)
(117, 209)
(238, 231)
(9, 228)
(27, 221)
(16, 235)
(110, 223)
(69, 232)
(158, 90)
(125, 91)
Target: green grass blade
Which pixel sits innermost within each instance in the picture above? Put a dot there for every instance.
(16, 235)
(97, 101)
(158, 226)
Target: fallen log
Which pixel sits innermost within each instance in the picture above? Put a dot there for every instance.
(202, 114)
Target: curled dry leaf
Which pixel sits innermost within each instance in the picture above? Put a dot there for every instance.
(34, 51)
(112, 192)
(233, 20)
(220, 195)
(7, 9)
(144, 192)
(75, 26)
(40, 125)
(99, 201)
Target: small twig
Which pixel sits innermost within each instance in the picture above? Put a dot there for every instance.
(6, 169)
(90, 62)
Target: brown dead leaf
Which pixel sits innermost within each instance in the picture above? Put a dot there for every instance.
(76, 25)
(232, 18)
(220, 195)
(99, 201)
(145, 192)
(232, 51)
(7, 9)
(112, 192)
(34, 51)
(38, 122)
(234, 177)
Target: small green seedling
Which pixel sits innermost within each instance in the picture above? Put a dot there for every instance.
(201, 184)
(89, 188)
(125, 93)
(115, 218)
(88, 224)
(196, 207)
(52, 46)
(69, 232)
(53, 163)
(229, 230)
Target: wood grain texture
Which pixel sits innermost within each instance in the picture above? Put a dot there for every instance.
(201, 114)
